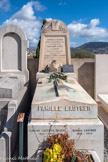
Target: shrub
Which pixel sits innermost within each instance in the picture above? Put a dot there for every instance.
(82, 54)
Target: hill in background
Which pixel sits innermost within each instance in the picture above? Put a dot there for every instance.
(85, 50)
(94, 47)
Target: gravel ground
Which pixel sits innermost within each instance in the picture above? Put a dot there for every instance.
(105, 144)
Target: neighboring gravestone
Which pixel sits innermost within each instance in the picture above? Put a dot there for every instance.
(55, 44)
(14, 96)
(13, 51)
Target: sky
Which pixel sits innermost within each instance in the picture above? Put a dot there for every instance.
(87, 20)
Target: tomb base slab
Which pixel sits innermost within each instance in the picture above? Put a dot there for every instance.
(87, 134)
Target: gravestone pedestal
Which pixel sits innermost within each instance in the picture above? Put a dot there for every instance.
(88, 134)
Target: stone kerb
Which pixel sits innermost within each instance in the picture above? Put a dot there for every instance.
(54, 44)
(13, 51)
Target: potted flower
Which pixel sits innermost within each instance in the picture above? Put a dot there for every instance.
(61, 149)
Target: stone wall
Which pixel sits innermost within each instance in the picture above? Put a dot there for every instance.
(84, 69)
(101, 77)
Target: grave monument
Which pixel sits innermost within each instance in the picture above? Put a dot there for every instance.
(13, 92)
(59, 105)
(13, 51)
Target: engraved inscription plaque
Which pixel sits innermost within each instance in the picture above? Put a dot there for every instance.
(55, 49)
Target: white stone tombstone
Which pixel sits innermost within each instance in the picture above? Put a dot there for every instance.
(54, 44)
(13, 51)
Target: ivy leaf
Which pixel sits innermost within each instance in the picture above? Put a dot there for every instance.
(73, 158)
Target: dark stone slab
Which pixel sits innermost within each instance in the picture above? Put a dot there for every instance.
(68, 69)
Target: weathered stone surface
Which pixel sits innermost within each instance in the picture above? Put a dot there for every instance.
(10, 84)
(88, 134)
(54, 44)
(13, 51)
(72, 102)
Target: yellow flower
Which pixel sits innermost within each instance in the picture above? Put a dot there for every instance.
(47, 155)
(57, 148)
(56, 140)
(54, 155)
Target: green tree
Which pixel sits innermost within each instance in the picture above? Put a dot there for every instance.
(38, 45)
(82, 54)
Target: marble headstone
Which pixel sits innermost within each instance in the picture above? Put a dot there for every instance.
(13, 60)
(13, 51)
(54, 44)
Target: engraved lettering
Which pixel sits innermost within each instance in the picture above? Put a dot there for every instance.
(65, 108)
(55, 47)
